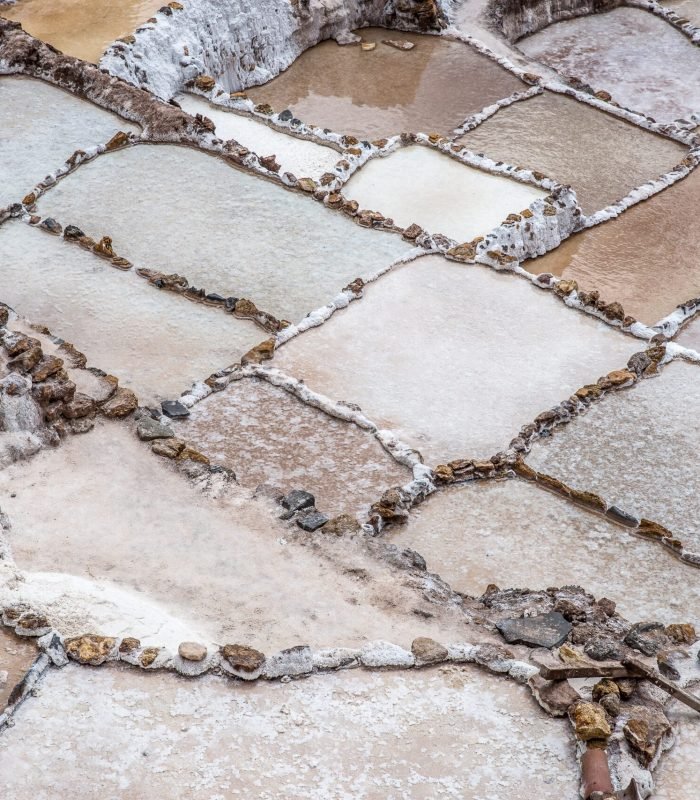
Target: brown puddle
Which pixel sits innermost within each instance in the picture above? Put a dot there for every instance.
(382, 92)
(78, 28)
(16, 656)
(602, 157)
(646, 259)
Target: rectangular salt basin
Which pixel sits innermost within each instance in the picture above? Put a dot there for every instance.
(604, 50)
(300, 157)
(41, 127)
(420, 731)
(155, 342)
(453, 358)
(638, 450)
(442, 195)
(515, 534)
(179, 210)
(77, 28)
(602, 157)
(385, 91)
(646, 259)
(112, 540)
(266, 435)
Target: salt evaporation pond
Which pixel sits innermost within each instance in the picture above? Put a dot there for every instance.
(638, 450)
(645, 259)
(77, 28)
(513, 533)
(557, 136)
(690, 335)
(453, 358)
(112, 540)
(155, 342)
(604, 50)
(418, 184)
(382, 92)
(298, 740)
(690, 9)
(16, 656)
(300, 157)
(41, 127)
(178, 210)
(266, 435)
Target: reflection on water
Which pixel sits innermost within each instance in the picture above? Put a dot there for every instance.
(646, 259)
(78, 28)
(385, 91)
(640, 59)
(557, 135)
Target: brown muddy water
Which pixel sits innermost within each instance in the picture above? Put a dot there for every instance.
(646, 259)
(78, 28)
(601, 157)
(381, 92)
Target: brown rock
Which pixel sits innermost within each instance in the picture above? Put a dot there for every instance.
(564, 288)
(556, 697)
(621, 377)
(603, 688)
(27, 360)
(122, 403)
(49, 365)
(683, 633)
(80, 406)
(589, 721)
(192, 651)
(104, 248)
(428, 651)
(242, 658)
(205, 83)
(601, 94)
(645, 731)
(259, 353)
(412, 232)
(168, 448)
(444, 473)
(190, 453)
(120, 139)
(307, 185)
(129, 644)
(90, 649)
(148, 656)
(342, 525)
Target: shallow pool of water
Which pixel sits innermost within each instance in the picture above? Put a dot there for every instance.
(382, 92)
(604, 50)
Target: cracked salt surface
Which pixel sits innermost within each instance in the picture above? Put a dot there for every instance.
(298, 156)
(638, 450)
(418, 184)
(447, 732)
(142, 552)
(178, 210)
(646, 259)
(453, 358)
(267, 435)
(603, 50)
(30, 151)
(515, 534)
(155, 342)
(385, 91)
(556, 135)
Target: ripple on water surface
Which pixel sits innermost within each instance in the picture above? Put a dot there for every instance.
(382, 92)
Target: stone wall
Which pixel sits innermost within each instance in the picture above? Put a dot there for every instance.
(518, 18)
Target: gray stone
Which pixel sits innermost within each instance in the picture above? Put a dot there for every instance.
(647, 637)
(292, 662)
(544, 630)
(312, 522)
(602, 648)
(192, 651)
(297, 500)
(149, 429)
(428, 651)
(174, 409)
(49, 224)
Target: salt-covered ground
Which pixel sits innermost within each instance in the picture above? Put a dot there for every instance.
(385, 91)
(513, 533)
(29, 152)
(604, 51)
(646, 259)
(637, 450)
(177, 210)
(298, 156)
(267, 435)
(454, 358)
(419, 185)
(556, 135)
(156, 343)
(446, 732)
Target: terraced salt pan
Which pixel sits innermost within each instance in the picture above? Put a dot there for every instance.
(178, 210)
(112, 540)
(267, 435)
(296, 740)
(686, 8)
(638, 450)
(16, 656)
(418, 184)
(385, 91)
(30, 151)
(603, 50)
(77, 28)
(298, 156)
(154, 342)
(557, 135)
(515, 534)
(645, 259)
(454, 358)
